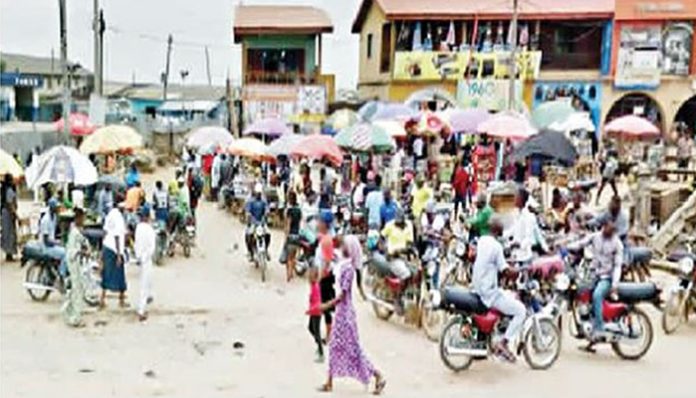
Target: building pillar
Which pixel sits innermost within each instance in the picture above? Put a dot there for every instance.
(34, 105)
(12, 101)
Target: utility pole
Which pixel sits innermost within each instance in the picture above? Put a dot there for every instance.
(165, 77)
(207, 66)
(64, 67)
(513, 54)
(97, 50)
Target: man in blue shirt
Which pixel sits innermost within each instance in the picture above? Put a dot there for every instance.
(47, 235)
(373, 203)
(256, 210)
(389, 207)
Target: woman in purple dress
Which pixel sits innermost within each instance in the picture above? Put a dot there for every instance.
(346, 357)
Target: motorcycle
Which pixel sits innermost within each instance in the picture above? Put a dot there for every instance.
(161, 241)
(474, 329)
(184, 235)
(43, 277)
(459, 258)
(681, 301)
(259, 255)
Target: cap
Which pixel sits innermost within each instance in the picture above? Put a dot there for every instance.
(326, 216)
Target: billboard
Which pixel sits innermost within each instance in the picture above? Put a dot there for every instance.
(490, 94)
(638, 58)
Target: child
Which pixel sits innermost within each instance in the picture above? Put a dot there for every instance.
(315, 311)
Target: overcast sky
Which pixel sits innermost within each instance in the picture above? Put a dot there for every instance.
(135, 41)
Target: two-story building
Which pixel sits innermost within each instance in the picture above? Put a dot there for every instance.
(281, 60)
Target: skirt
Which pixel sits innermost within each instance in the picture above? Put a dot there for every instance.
(113, 276)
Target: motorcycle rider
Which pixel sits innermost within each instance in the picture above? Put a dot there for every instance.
(525, 234)
(617, 216)
(160, 200)
(490, 261)
(479, 223)
(607, 258)
(179, 206)
(256, 211)
(398, 235)
(47, 230)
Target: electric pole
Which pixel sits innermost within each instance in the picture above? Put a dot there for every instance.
(95, 28)
(64, 66)
(207, 66)
(513, 54)
(165, 77)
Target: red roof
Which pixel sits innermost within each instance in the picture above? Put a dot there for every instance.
(490, 9)
(276, 19)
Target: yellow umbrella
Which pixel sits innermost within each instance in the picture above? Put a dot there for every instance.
(394, 128)
(249, 147)
(112, 138)
(8, 165)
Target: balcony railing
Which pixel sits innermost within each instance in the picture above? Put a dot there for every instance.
(590, 60)
(279, 77)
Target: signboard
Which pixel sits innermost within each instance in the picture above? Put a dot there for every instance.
(20, 80)
(490, 94)
(638, 60)
(676, 48)
(433, 65)
(282, 101)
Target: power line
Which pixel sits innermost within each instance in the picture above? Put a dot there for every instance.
(163, 40)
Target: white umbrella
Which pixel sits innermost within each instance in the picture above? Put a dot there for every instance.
(575, 121)
(210, 136)
(61, 164)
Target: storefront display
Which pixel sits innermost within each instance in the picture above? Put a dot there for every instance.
(638, 59)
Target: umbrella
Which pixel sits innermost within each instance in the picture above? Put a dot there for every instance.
(464, 120)
(9, 165)
(368, 110)
(433, 94)
(552, 111)
(364, 137)
(78, 123)
(548, 144)
(61, 164)
(284, 145)
(394, 111)
(109, 179)
(394, 128)
(248, 147)
(632, 126)
(342, 118)
(574, 122)
(113, 138)
(507, 124)
(209, 136)
(318, 147)
(267, 127)
(431, 123)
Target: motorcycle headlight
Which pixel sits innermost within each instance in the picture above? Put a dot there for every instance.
(686, 265)
(259, 230)
(461, 249)
(561, 282)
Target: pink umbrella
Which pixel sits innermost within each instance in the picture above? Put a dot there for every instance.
(632, 126)
(465, 120)
(431, 123)
(318, 146)
(507, 124)
(79, 124)
(272, 127)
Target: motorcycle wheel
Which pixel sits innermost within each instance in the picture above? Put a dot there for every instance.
(186, 245)
(261, 261)
(532, 346)
(674, 312)
(452, 333)
(637, 318)
(38, 274)
(381, 312)
(432, 321)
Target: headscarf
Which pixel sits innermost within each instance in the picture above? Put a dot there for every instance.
(354, 250)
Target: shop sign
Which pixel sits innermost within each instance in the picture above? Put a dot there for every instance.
(282, 101)
(638, 60)
(20, 80)
(652, 8)
(440, 65)
(676, 48)
(490, 94)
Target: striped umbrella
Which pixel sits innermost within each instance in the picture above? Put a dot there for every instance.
(61, 164)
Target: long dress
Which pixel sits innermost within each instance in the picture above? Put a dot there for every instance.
(9, 223)
(74, 303)
(346, 357)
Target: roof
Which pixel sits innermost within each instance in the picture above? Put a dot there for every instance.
(491, 9)
(147, 91)
(35, 65)
(277, 19)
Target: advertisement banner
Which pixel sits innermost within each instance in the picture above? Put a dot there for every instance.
(282, 101)
(490, 94)
(638, 59)
(676, 48)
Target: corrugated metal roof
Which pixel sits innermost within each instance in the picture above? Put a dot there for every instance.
(149, 91)
(35, 65)
(273, 19)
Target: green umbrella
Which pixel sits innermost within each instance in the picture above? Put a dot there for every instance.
(365, 137)
(551, 112)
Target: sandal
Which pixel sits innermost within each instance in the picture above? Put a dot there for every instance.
(325, 388)
(379, 387)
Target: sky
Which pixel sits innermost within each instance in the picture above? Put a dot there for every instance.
(135, 40)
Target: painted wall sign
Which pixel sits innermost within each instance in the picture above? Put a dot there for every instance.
(638, 59)
(282, 101)
(676, 48)
(486, 93)
(435, 65)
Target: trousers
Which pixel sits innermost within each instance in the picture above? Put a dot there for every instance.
(509, 305)
(145, 285)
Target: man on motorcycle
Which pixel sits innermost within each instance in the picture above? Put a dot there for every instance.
(160, 200)
(179, 206)
(47, 235)
(256, 211)
(607, 258)
(479, 223)
(398, 235)
(617, 216)
(490, 261)
(525, 234)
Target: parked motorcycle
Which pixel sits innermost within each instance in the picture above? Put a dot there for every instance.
(681, 300)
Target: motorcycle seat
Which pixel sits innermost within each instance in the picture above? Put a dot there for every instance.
(93, 234)
(463, 299)
(630, 292)
(677, 255)
(640, 254)
(548, 265)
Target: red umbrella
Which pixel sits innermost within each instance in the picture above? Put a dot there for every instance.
(79, 124)
(632, 126)
(318, 147)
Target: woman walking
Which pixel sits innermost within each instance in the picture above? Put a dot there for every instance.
(8, 206)
(76, 245)
(346, 357)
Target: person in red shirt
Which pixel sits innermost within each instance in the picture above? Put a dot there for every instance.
(314, 312)
(326, 256)
(461, 183)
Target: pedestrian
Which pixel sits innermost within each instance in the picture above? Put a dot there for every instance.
(74, 248)
(462, 193)
(684, 150)
(144, 248)
(113, 272)
(160, 201)
(215, 177)
(105, 201)
(293, 217)
(346, 357)
(132, 176)
(8, 216)
(325, 259)
(609, 168)
(314, 312)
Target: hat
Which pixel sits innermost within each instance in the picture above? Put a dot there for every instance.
(326, 216)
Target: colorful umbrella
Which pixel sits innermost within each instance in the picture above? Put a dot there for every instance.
(431, 124)
(78, 123)
(284, 145)
(576, 121)
(342, 118)
(318, 146)
(368, 110)
(394, 128)
(113, 138)
(394, 111)
(267, 127)
(632, 126)
(464, 120)
(364, 137)
(507, 124)
(552, 111)
(9, 165)
(248, 147)
(61, 164)
(209, 136)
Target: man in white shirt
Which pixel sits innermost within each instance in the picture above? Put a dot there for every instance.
(144, 250)
(113, 272)
(215, 176)
(525, 233)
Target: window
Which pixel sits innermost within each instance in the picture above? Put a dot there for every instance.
(369, 45)
(385, 55)
(571, 44)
